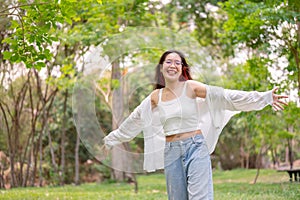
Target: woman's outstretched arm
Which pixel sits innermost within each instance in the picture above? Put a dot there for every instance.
(237, 100)
(131, 126)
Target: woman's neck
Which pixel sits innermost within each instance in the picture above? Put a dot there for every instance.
(174, 85)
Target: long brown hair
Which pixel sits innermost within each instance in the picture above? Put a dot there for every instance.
(159, 78)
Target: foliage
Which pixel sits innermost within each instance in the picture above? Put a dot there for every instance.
(271, 28)
(32, 26)
(250, 132)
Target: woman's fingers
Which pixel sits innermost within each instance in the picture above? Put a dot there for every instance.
(274, 89)
(278, 106)
(282, 102)
(277, 102)
(281, 96)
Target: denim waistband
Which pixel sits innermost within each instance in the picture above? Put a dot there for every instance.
(185, 141)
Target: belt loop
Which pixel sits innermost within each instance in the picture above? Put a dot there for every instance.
(193, 138)
(168, 144)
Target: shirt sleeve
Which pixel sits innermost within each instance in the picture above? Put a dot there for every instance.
(247, 101)
(221, 104)
(130, 128)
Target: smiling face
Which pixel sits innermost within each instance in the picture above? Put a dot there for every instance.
(172, 67)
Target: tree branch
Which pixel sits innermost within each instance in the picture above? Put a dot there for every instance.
(23, 5)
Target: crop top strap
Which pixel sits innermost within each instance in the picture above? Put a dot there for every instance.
(184, 88)
(160, 94)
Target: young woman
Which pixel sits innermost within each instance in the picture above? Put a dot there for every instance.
(181, 121)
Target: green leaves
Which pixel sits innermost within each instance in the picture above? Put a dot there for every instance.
(270, 30)
(31, 34)
(7, 55)
(65, 78)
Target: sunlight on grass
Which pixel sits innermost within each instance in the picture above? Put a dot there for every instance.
(232, 185)
(247, 176)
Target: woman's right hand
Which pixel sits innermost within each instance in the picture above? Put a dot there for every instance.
(277, 102)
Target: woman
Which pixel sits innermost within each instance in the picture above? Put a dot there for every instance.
(185, 117)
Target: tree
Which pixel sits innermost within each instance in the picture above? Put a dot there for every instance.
(242, 133)
(271, 28)
(29, 40)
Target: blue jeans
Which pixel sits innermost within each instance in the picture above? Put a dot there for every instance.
(188, 170)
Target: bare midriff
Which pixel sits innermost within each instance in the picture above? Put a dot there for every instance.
(182, 136)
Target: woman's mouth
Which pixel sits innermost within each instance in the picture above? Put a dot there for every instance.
(171, 72)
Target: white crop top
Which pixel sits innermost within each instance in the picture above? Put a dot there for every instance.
(178, 115)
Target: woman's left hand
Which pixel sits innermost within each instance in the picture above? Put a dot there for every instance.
(277, 102)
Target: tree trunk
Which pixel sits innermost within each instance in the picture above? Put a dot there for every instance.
(290, 153)
(274, 158)
(258, 164)
(297, 58)
(30, 141)
(40, 150)
(15, 148)
(246, 150)
(34, 145)
(118, 159)
(54, 164)
(242, 156)
(77, 178)
(63, 138)
(247, 159)
(80, 122)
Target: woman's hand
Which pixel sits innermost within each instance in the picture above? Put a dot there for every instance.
(277, 102)
(103, 152)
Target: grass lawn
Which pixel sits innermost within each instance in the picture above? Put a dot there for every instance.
(228, 185)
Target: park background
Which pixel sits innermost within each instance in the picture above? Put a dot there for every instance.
(253, 45)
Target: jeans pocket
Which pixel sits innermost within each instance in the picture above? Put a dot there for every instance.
(201, 147)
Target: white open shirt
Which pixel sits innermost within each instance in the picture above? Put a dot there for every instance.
(214, 113)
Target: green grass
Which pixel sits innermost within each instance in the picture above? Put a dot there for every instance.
(271, 185)
(228, 185)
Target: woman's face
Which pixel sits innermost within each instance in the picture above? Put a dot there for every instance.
(172, 67)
